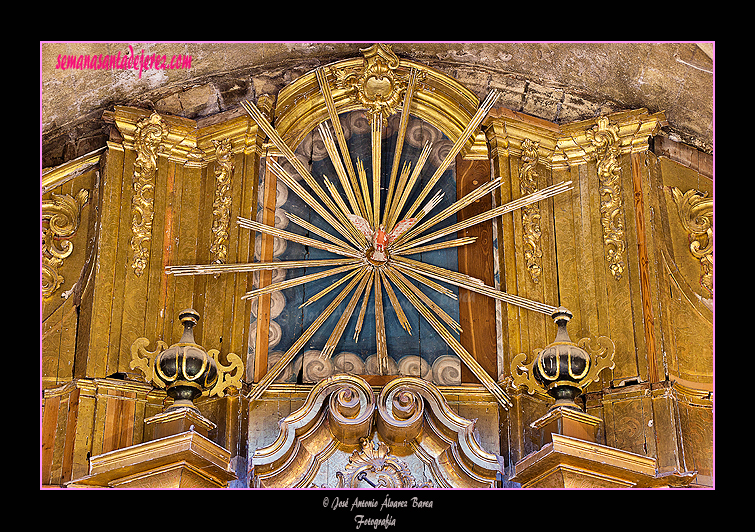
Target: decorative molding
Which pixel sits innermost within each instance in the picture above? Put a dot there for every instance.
(343, 411)
(605, 139)
(221, 207)
(695, 210)
(528, 184)
(61, 216)
(149, 134)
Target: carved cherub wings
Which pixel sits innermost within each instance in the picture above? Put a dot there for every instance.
(364, 227)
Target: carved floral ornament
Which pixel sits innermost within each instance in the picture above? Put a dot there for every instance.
(61, 215)
(695, 210)
(342, 413)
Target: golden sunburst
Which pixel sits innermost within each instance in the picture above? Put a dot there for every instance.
(376, 235)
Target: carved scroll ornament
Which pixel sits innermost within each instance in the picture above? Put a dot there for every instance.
(342, 412)
(378, 87)
(221, 206)
(531, 213)
(150, 132)
(605, 139)
(695, 210)
(61, 216)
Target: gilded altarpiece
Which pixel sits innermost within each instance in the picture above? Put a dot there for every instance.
(627, 249)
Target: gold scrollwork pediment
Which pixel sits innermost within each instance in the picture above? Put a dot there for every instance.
(342, 414)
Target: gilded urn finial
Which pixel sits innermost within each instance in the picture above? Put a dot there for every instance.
(185, 367)
(563, 369)
(561, 366)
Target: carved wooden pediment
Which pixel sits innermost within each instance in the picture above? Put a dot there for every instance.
(346, 435)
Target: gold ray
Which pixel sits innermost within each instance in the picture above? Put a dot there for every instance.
(482, 111)
(288, 283)
(300, 342)
(293, 237)
(407, 189)
(430, 283)
(335, 336)
(363, 310)
(288, 153)
(365, 193)
(335, 158)
(206, 269)
(325, 291)
(392, 203)
(314, 229)
(397, 278)
(396, 305)
(339, 200)
(376, 123)
(470, 283)
(330, 104)
(442, 245)
(298, 189)
(488, 215)
(452, 209)
(479, 372)
(413, 75)
(380, 338)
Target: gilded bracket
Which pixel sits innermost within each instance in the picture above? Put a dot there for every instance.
(343, 412)
(695, 210)
(62, 215)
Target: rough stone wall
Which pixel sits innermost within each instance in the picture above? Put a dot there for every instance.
(557, 82)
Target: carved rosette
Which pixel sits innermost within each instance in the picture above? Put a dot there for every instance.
(528, 177)
(61, 216)
(150, 132)
(221, 206)
(695, 210)
(605, 139)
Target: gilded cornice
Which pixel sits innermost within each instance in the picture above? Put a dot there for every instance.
(561, 146)
(54, 177)
(190, 142)
(633, 129)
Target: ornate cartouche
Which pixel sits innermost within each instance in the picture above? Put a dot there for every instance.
(562, 366)
(185, 368)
